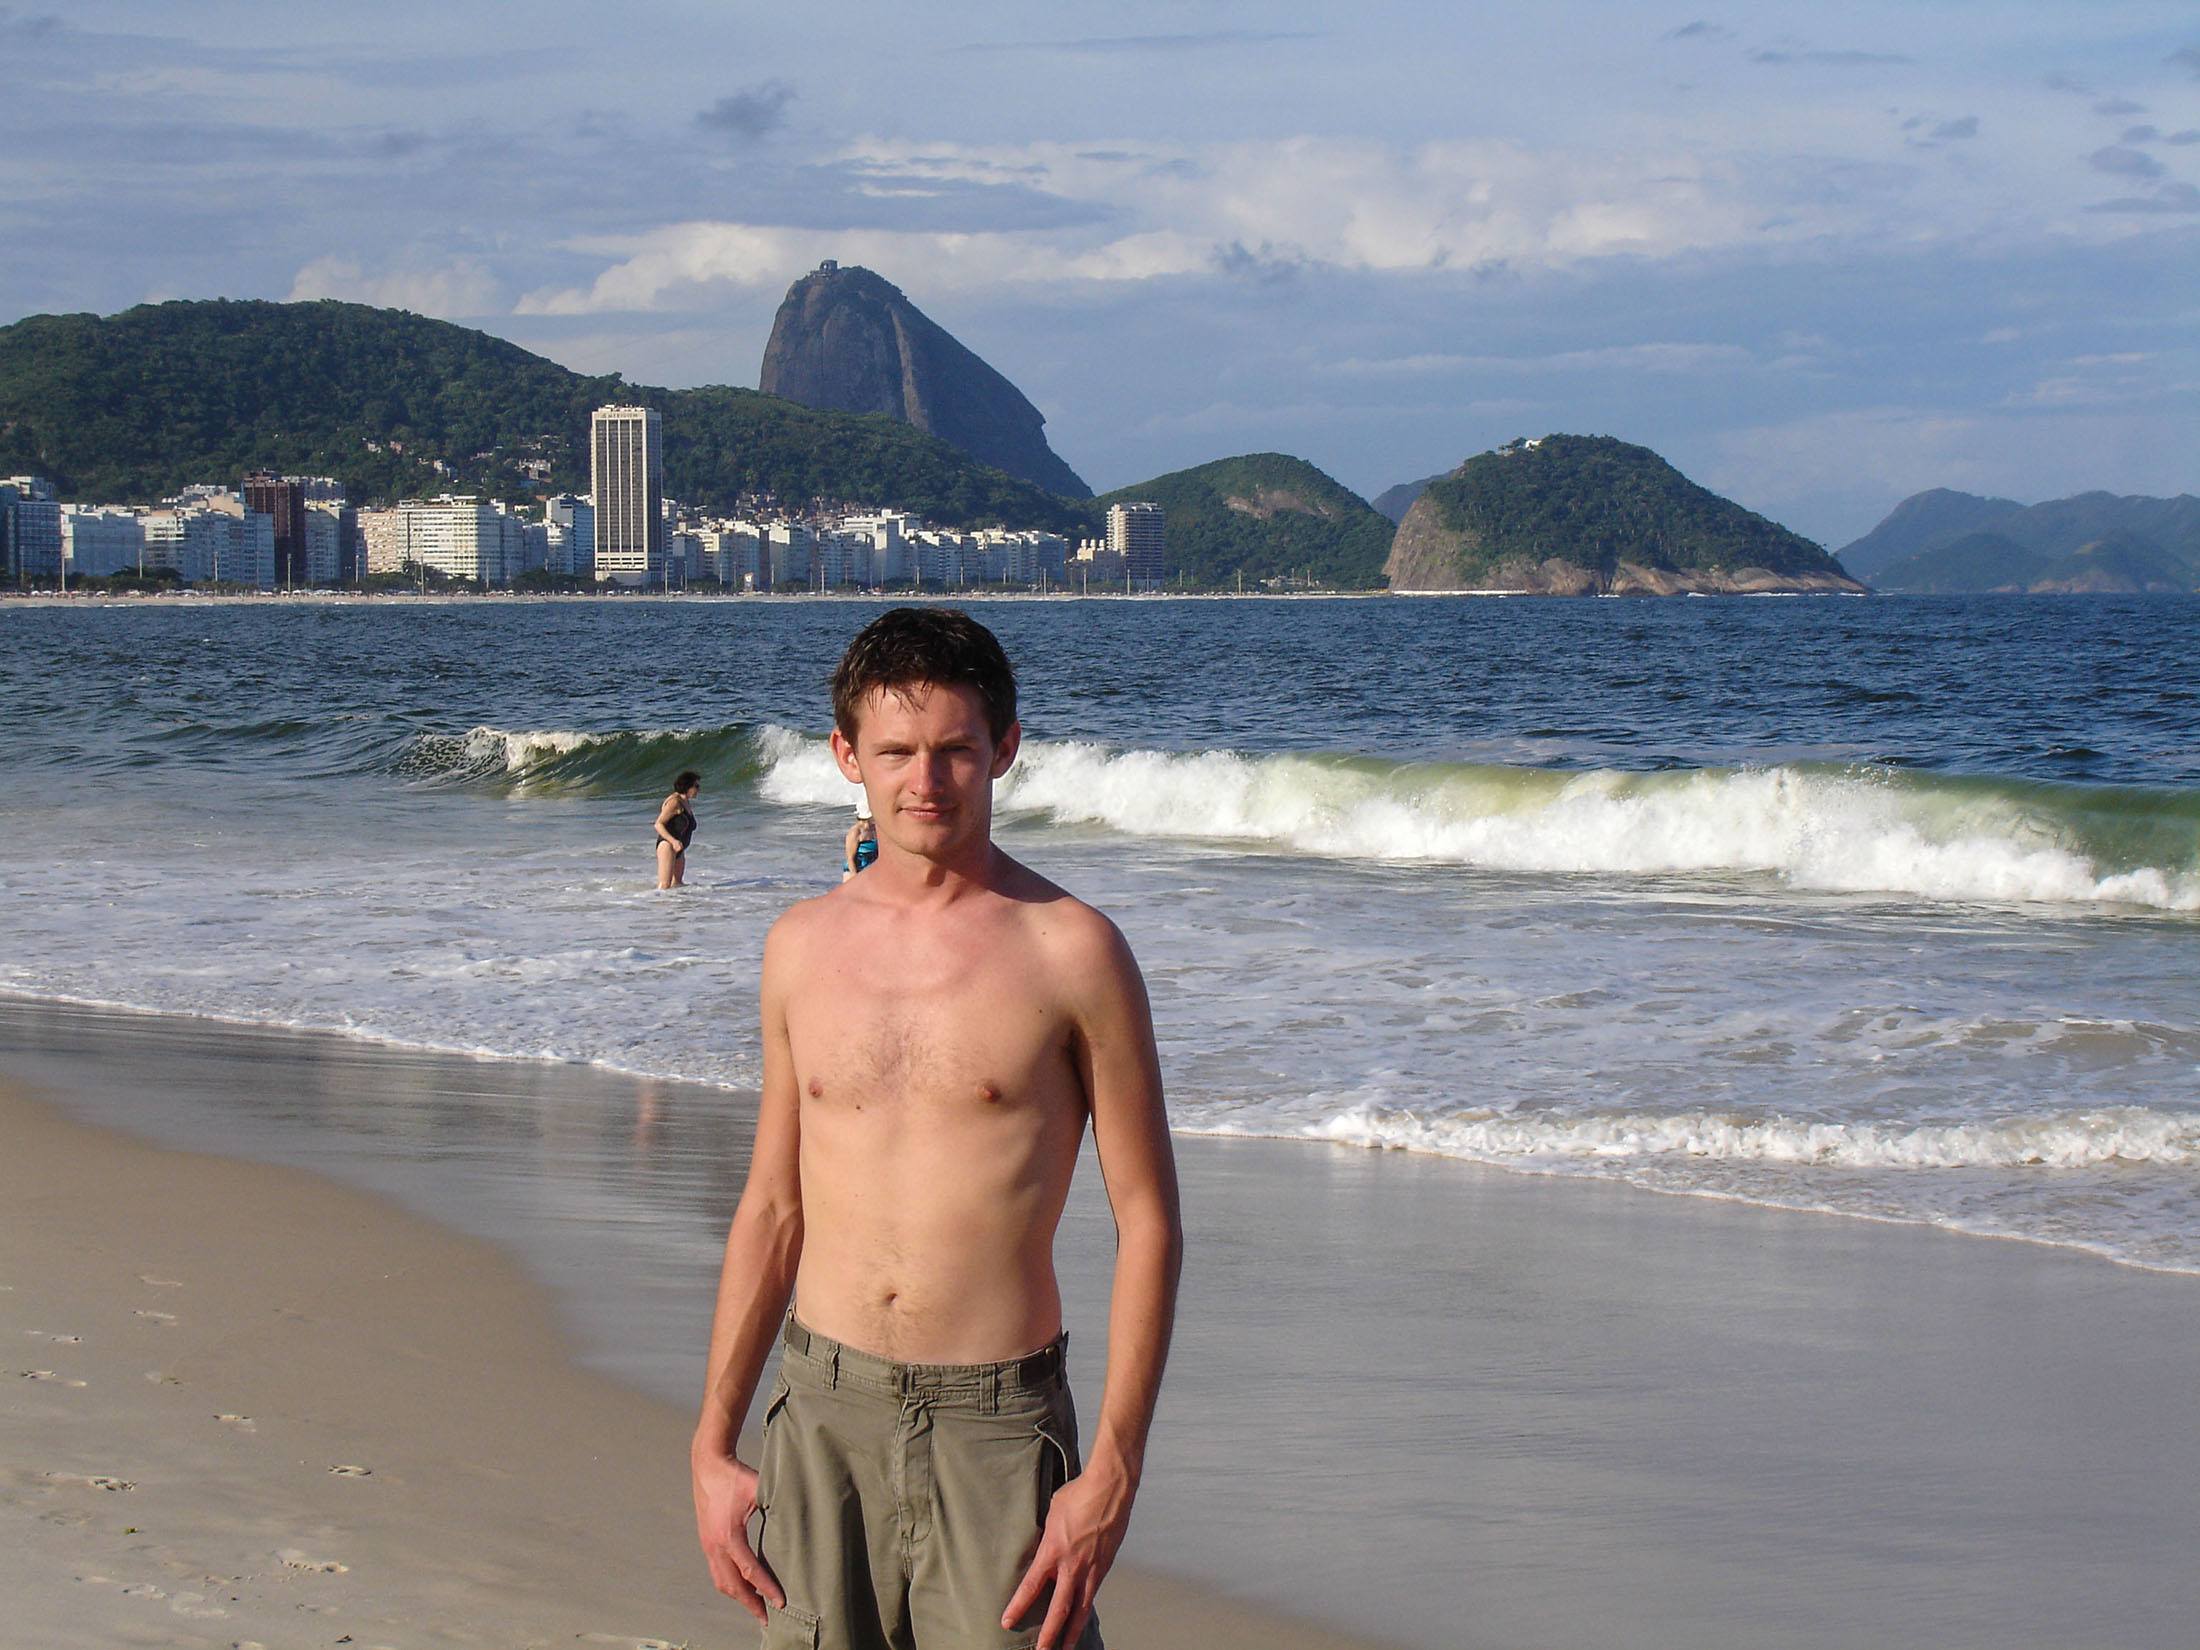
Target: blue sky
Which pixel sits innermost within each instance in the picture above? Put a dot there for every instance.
(1820, 257)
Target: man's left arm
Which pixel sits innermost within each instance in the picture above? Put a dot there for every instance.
(1121, 1070)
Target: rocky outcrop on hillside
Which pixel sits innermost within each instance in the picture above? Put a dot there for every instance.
(847, 340)
(1569, 515)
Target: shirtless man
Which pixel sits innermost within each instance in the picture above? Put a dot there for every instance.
(937, 1032)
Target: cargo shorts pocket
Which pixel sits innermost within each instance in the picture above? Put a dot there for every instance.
(1057, 1460)
(767, 1474)
(790, 1629)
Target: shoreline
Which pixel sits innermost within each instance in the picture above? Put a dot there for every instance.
(406, 598)
(256, 1401)
(2076, 1248)
(1431, 1402)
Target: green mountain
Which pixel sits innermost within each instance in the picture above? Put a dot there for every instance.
(1263, 515)
(134, 406)
(1585, 514)
(2092, 541)
(2120, 564)
(1394, 502)
(1937, 516)
(1972, 561)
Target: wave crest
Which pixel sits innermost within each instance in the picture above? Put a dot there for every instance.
(1840, 831)
(559, 759)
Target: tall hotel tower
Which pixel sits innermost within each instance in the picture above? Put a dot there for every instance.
(1137, 534)
(626, 471)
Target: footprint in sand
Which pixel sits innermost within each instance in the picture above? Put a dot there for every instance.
(97, 1480)
(297, 1560)
(163, 1318)
(160, 1379)
(352, 1472)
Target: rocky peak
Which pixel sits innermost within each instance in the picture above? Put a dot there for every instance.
(847, 340)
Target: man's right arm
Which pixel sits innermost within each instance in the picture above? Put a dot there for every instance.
(762, 1251)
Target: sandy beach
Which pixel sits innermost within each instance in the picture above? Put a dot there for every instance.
(244, 1405)
(1412, 1399)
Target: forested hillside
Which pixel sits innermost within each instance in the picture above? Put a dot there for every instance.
(133, 406)
(1263, 515)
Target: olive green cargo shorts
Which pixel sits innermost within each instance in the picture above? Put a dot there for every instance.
(900, 1504)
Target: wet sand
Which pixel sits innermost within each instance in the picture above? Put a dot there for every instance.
(245, 1406)
(1411, 1398)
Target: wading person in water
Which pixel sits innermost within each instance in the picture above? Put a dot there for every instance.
(937, 1034)
(859, 848)
(676, 829)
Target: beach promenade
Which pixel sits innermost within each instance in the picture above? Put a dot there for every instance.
(1414, 1400)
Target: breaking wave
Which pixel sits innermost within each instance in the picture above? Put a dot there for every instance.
(1861, 830)
(1848, 830)
(564, 760)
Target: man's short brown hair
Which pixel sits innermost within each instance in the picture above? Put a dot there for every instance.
(907, 648)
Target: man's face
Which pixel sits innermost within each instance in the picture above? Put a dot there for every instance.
(927, 761)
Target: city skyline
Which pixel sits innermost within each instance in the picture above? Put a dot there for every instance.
(1819, 262)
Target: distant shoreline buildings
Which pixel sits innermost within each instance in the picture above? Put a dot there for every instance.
(285, 532)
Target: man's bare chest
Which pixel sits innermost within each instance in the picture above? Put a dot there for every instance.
(937, 1039)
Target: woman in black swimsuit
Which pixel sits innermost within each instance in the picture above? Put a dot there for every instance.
(675, 829)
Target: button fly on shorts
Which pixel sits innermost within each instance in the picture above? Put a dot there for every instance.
(912, 1477)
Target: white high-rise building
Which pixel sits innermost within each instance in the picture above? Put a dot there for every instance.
(534, 546)
(733, 554)
(462, 536)
(1136, 533)
(791, 545)
(382, 540)
(101, 543)
(33, 531)
(626, 482)
(188, 542)
(572, 523)
(249, 555)
(207, 546)
(324, 547)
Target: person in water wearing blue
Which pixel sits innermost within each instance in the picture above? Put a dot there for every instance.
(676, 828)
(860, 847)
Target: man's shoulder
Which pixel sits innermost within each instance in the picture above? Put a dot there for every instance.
(799, 926)
(1077, 934)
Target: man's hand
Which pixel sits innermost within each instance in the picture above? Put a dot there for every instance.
(725, 1495)
(1085, 1525)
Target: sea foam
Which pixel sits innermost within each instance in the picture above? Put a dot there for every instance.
(1839, 831)
(2068, 1140)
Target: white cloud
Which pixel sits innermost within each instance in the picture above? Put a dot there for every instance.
(1258, 208)
(460, 289)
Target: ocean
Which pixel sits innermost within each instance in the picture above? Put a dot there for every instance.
(1883, 909)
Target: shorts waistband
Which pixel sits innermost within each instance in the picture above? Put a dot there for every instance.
(839, 1364)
